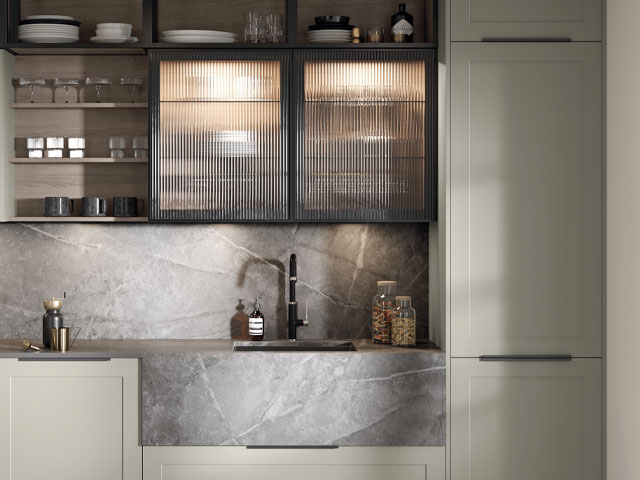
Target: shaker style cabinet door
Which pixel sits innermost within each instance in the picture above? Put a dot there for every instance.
(477, 20)
(69, 420)
(526, 420)
(7, 174)
(365, 135)
(218, 136)
(526, 199)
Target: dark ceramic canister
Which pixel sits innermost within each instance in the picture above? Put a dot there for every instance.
(58, 206)
(52, 319)
(127, 206)
(94, 207)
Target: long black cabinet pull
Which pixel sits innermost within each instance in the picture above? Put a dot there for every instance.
(525, 39)
(68, 359)
(292, 447)
(525, 358)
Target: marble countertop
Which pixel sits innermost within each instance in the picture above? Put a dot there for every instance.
(11, 348)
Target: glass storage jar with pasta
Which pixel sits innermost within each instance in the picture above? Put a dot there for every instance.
(384, 310)
(403, 327)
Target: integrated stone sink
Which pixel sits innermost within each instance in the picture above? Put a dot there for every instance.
(297, 346)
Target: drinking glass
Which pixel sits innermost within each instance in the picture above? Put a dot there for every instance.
(133, 84)
(32, 83)
(251, 27)
(66, 83)
(98, 83)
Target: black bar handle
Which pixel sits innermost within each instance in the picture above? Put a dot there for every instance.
(525, 358)
(292, 447)
(41, 358)
(526, 39)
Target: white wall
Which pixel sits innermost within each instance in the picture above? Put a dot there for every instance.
(623, 239)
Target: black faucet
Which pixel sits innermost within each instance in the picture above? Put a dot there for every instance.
(292, 313)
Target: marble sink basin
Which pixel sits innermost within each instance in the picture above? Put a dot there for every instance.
(298, 346)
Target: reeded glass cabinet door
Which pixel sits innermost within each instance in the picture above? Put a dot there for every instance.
(365, 136)
(219, 136)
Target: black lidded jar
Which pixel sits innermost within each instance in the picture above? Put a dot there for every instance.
(256, 323)
(402, 25)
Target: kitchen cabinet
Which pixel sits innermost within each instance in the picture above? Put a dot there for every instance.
(526, 420)
(344, 463)
(526, 199)
(219, 142)
(365, 139)
(70, 420)
(363, 134)
(476, 20)
(6, 138)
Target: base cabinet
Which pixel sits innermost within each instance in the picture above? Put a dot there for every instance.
(70, 420)
(526, 420)
(344, 463)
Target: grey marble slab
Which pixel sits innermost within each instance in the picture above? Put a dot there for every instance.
(255, 398)
(199, 281)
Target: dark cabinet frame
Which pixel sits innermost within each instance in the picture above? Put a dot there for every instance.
(292, 95)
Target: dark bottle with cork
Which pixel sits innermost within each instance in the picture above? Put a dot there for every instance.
(256, 323)
(402, 26)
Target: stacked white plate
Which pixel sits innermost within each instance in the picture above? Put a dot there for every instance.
(113, 33)
(49, 29)
(198, 36)
(327, 34)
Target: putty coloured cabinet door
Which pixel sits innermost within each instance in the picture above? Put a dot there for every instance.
(475, 20)
(64, 420)
(526, 420)
(526, 174)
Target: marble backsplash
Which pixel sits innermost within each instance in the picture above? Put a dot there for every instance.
(199, 281)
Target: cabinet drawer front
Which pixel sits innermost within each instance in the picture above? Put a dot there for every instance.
(526, 420)
(526, 174)
(294, 472)
(475, 20)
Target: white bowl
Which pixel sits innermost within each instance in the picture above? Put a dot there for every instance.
(113, 32)
(125, 28)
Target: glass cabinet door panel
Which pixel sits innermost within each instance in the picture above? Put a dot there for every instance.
(364, 142)
(219, 149)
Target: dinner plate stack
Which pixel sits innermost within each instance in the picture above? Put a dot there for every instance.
(198, 36)
(49, 29)
(330, 33)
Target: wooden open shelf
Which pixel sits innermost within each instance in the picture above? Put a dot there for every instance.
(77, 105)
(37, 161)
(80, 219)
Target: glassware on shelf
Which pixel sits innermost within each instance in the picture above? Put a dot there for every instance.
(261, 28)
(36, 153)
(133, 84)
(35, 147)
(375, 34)
(117, 146)
(55, 142)
(76, 147)
(383, 311)
(54, 153)
(403, 328)
(32, 83)
(76, 153)
(98, 83)
(141, 142)
(66, 83)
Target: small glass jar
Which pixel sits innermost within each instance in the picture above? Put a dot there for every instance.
(403, 328)
(384, 310)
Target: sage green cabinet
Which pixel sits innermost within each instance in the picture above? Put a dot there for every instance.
(475, 20)
(70, 420)
(526, 420)
(526, 199)
(344, 463)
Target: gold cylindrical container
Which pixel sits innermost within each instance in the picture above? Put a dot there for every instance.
(63, 339)
(55, 339)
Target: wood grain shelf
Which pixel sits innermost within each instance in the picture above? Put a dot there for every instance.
(76, 105)
(39, 161)
(80, 219)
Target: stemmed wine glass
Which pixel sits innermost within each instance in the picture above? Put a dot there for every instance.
(66, 83)
(132, 83)
(98, 82)
(32, 83)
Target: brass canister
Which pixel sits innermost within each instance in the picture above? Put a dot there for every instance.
(63, 339)
(55, 339)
